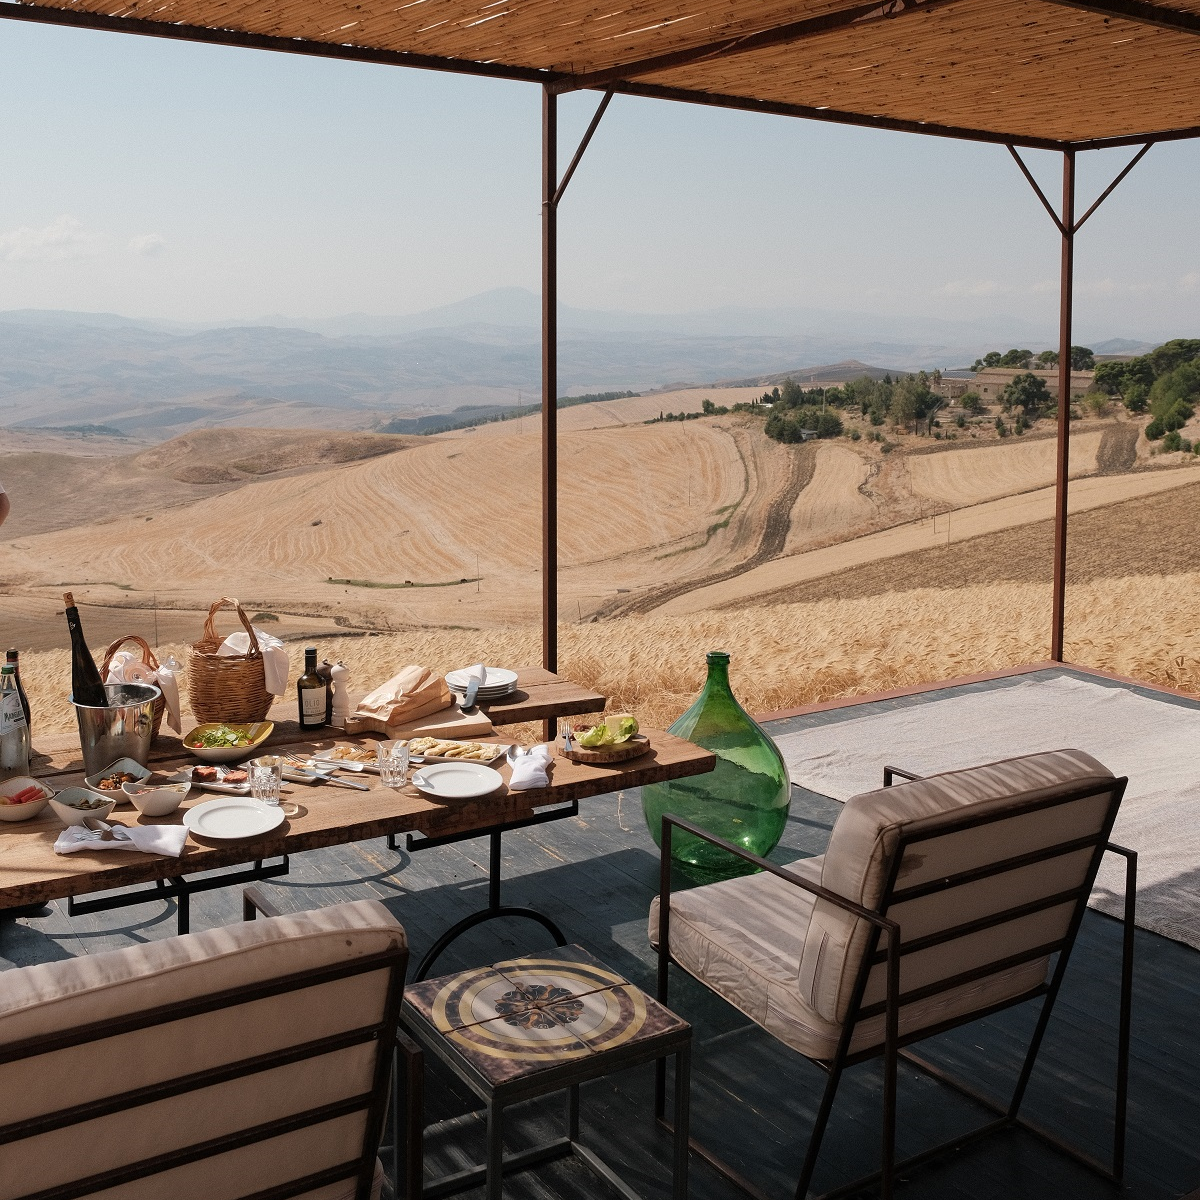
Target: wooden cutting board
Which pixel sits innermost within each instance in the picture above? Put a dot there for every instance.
(634, 748)
(449, 723)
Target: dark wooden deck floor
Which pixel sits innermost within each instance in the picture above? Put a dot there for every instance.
(753, 1099)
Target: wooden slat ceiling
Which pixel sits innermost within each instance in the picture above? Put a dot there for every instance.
(1035, 72)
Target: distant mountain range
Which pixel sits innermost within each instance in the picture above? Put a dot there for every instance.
(153, 378)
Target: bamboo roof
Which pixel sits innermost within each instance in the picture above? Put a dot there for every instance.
(1053, 73)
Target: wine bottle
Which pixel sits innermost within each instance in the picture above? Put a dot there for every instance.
(310, 692)
(87, 688)
(14, 732)
(13, 658)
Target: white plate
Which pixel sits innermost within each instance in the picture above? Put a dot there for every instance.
(457, 780)
(493, 678)
(232, 818)
(215, 785)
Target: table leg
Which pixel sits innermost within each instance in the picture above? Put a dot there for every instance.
(183, 907)
(494, 910)
(495, 1150)
(683, 1057)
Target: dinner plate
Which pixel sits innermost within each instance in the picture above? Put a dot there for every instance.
(457, 780)
(494, 678)
(232, 818)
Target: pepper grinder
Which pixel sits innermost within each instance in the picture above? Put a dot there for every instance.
(340, 679)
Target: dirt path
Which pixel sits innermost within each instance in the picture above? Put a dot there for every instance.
(1118, 449)
(775, 527)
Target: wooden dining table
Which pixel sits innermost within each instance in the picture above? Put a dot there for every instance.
(31, 872)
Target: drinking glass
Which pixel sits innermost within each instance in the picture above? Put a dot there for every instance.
(264, 775)
(393, 763)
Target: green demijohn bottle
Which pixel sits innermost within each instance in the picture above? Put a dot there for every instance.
(744, 800)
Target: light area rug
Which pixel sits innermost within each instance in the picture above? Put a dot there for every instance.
(1154, 742)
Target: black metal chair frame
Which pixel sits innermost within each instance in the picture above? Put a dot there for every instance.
(373, 1102)
(882, 928)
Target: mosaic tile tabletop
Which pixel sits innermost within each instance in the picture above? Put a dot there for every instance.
(525, 1015)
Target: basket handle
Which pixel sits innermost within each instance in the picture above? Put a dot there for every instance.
(147, 654)
(210, 631)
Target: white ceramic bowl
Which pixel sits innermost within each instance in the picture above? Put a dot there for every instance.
(28, 810)
(157, 800)
(128, 766)
(66, 805)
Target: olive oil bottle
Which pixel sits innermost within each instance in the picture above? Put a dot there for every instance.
(311, 693)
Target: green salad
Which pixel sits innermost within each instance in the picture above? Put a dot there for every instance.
(612, 731)
(222, 735)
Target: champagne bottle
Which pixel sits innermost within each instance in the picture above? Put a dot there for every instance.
(13, 658)
(310, 692)
(87, 688)
(14, 732)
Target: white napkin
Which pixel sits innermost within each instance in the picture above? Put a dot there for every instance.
(168, 680)
(149, 839)
(478, 672)
(275, 659)
(531, 770)
(118, 665)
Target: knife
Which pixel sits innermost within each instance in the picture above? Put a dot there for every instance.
(469, 699)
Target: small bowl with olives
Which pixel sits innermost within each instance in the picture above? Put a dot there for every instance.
(74, 804)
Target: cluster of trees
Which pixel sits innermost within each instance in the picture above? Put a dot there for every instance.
(1082, 359)
(1166, 381)
(908, 402)
(707, 409)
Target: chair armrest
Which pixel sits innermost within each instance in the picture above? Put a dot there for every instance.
(254, 902)
(668, 821)
(888, 772)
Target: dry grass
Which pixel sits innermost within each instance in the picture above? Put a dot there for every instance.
(787, 655)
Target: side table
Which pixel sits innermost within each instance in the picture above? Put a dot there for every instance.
(527, 1027)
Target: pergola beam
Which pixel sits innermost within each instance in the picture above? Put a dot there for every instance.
(780, 35)
(1139, 12)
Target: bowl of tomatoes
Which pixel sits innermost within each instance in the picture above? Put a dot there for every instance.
(22, 798)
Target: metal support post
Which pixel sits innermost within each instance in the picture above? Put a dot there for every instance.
(549, 380)
(1065, 300)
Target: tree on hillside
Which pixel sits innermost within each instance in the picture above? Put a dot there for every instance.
(1017, 358)
(990, 359)
(1082, 359)
(1048, 359)
(911, 400)
(1137, 397)
(1173, 399)
(1110, 377)
(1030, 393)
(790, 424)
(972, 402)
(1172, 354)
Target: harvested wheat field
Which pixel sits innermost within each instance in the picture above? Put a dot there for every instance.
(791, 654)
(941, 530)
(970, 476)
(832, 505)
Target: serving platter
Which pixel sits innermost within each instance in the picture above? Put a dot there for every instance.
(635, 747)
(231, 819)
(184, 774)
(419, 756)
(457, 780)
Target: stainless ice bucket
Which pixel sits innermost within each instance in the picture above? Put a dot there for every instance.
(121, 729)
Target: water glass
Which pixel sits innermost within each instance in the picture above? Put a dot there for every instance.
(264, 775)
(393, 763)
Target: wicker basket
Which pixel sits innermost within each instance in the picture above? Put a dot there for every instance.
(226, 687)
(148, 659)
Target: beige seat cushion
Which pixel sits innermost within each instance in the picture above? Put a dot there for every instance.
(743, 938)
(96, 988)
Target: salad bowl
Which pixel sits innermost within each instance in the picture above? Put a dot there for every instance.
(221, 742)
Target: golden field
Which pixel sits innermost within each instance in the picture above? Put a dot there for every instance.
(786, 655)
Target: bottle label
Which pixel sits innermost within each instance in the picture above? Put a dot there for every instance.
(12, 715)
(314, 703)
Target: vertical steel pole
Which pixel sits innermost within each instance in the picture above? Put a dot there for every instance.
(549, 381)
(1066, 289)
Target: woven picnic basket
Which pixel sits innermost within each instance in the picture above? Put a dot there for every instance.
(148, 659)
(226, 687)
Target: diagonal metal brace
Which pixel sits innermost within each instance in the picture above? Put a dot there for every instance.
(1104, 195)
(583, 145)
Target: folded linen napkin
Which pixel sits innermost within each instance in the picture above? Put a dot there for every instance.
(127, 667)
(531, 770)
(477, 672)
(275, 659)
(149, 839)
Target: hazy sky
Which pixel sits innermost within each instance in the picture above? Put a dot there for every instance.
(153, 178)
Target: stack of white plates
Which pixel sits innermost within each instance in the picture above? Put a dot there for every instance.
(497, 683)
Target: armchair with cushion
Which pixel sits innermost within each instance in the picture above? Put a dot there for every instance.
(244, 1063)
(938, 901)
